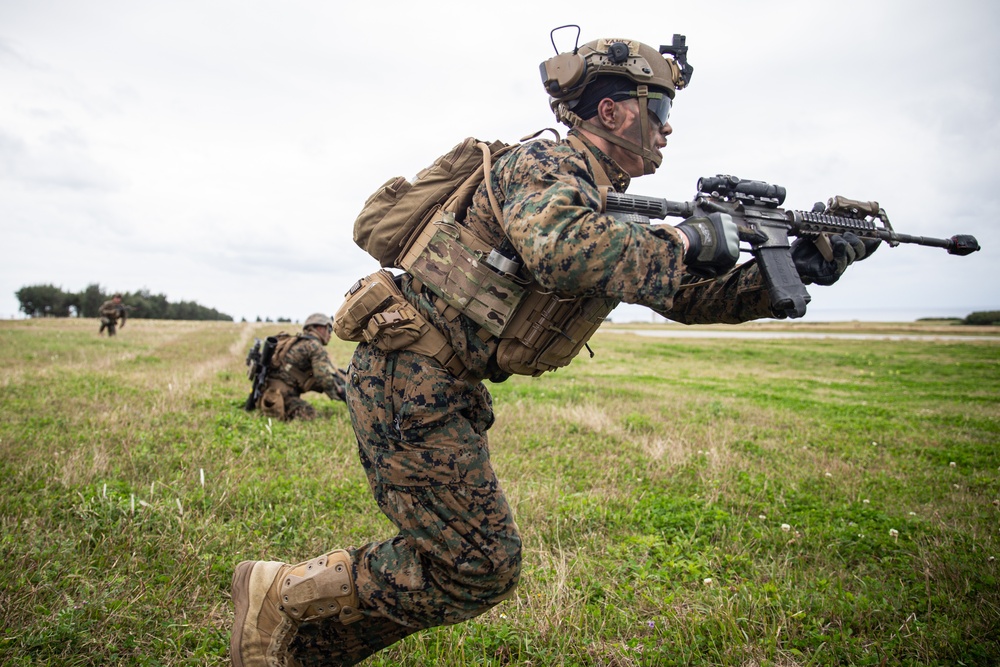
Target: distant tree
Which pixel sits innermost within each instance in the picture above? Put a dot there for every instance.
(983, 317)
(72, 304)
(143, 304)
(52, 301)
(91, 300)
(44, 301)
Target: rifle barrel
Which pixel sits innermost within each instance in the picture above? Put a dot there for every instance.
(641, 208)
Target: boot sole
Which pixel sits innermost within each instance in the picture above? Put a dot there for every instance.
(241, 599)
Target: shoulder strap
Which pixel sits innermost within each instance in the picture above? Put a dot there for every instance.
(487, 166)
(285, 342)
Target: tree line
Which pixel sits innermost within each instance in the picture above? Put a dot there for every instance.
(52, 301)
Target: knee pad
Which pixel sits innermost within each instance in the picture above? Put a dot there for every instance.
(321, 588)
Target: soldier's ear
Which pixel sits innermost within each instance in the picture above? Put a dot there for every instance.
(607, 113)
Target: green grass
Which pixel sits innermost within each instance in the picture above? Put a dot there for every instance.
(682, 502)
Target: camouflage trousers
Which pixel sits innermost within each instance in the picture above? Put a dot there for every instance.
(422, 441)
(109, 324)
(281, 401)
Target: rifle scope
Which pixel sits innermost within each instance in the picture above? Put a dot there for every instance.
(733, 187)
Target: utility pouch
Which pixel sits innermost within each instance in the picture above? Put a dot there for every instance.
(376, 312)
(372, 294)
(549, 331)
(453, 263)
(395, 328)
(272, 401)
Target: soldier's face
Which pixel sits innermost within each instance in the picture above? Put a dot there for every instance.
(324, 333)
(630, 129)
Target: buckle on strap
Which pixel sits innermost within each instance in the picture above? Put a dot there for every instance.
(452, 363)
(392, 318)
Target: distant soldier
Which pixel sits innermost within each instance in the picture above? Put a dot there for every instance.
(111, 311)
(300, 364)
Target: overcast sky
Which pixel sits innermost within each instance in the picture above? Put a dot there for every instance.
(219, 151)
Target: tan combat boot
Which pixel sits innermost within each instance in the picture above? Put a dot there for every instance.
(272, 598)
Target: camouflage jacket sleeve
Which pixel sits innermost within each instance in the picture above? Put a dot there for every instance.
(551, 215)
(738, 296)
(310, 353)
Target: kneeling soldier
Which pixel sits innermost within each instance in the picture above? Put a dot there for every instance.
(300, 364)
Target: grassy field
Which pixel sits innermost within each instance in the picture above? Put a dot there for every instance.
(682, 502)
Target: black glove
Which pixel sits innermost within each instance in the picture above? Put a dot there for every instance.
(713, 244)
(814, 268)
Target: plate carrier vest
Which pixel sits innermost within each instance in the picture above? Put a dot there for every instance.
(415, 226)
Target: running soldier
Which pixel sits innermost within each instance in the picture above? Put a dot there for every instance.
(112, 314)
(421, 411)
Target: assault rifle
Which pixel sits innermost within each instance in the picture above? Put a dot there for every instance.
(258, 366)
(755, 207)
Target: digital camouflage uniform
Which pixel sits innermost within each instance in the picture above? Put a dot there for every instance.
(422, 433)
(306, 366)
(110, 312)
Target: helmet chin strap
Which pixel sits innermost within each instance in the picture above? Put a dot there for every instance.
(650, 159)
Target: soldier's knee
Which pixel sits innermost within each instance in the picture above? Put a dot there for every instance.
(470, 596)
(303, 412)
(506, 581)
(494, 579)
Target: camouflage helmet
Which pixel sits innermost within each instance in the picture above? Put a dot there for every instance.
(318, 320)
(653, 77)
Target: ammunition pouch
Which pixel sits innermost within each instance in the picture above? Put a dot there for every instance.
(372, 294)
(394, 328)
(454, 263)
(547, 332)
(375, 311)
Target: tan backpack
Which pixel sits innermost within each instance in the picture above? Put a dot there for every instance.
(396, 212)
(305, 380)
(285, 342)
